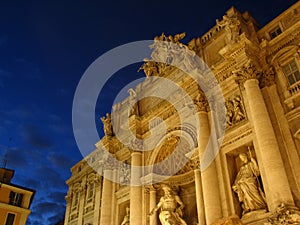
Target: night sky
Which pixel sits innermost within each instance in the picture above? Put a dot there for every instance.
(45, 47)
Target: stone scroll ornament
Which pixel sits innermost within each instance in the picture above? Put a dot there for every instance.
(247, 185)
(171, 208)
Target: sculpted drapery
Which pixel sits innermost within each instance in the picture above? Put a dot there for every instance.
(247, 186)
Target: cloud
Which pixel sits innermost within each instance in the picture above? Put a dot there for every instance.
(35, 137)
(57, 196)
(16, 158)
(56, 218)
(31, 183)
(60, 161)
(47, 207)
(50, 178)
(60, 129)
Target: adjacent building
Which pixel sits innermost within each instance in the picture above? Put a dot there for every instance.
(15, 200)
(248, 173)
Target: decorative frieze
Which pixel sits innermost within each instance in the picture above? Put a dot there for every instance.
(235, 110)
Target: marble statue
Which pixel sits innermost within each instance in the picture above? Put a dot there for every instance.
(126, 220)
(247, 186)
(107, 126)
(170, 213)
(133, 104)
(232, 28)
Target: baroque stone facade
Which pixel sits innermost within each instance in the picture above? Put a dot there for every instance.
(254, 178)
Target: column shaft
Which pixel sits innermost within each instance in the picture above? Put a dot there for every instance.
(136, 189)
(199, 198)
(153, 217)
(268, 155)
(210, 185)
(105, 218)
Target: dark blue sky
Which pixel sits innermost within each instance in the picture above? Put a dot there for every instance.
(45, 47)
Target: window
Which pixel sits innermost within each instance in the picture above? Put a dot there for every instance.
(76, 199)
(15, 198)
(291, 72)
(91, 191)
(10, 219)
(275, 32)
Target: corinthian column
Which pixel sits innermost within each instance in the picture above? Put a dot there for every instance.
(136, 189)
(106, 200)
(153, 217)
(268, 155)
(199, 198)
(209, 178)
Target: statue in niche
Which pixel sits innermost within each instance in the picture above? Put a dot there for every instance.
(107, 126)
(170, 213)
(232, 28)
(247, 185)
(126, 220)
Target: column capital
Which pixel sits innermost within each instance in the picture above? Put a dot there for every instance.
(201, 102)
(248, 71)
(136, 145)
(267, 77)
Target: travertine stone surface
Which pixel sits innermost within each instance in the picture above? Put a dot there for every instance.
(262, 99)
(270, 161)
(232, 220)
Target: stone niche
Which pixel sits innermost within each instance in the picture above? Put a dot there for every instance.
(235, 164)
(122, 211)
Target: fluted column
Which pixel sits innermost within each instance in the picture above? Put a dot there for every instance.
(106, 198)
(266, 147)
(209, 178)
(153, 217)
(136, 189)
(199, 198)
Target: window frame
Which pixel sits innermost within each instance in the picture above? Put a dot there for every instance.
(292, 72)
(16, 198)
(275, 31)
(14, 219)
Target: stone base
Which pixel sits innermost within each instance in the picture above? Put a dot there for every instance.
(231, 220)
(256, 217)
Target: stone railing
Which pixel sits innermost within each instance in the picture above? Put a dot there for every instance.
(295, 88)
